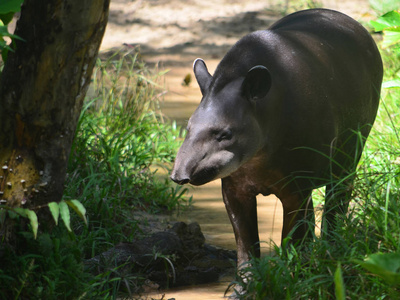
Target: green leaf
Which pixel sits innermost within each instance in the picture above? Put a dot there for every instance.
(7, 6)
(12, 214)
(395, 83)
(340, 290)
(390, 39)
(31, 215)
(4, 32)
(385, 265)
(391, 20)
(7, 18)
(78, 208)
(34, 221)
(21, 211)
(55, 211)
(64, 212)
(4, 52)
(390, 25)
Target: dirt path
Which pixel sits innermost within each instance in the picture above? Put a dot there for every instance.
(175, 32)
(170, 26)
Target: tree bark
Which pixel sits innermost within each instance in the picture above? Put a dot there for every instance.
(42, 88)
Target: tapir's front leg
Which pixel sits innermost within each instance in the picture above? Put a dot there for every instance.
(242, 211)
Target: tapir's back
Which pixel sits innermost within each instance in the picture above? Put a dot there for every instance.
(333, 40)
(308, 47)
(337, 60)
(326, 77)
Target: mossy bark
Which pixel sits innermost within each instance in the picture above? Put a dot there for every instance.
(42, 88)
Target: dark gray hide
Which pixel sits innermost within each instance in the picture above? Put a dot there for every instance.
(287, 110)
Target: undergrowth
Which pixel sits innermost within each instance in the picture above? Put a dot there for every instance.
(121, 138)
(121, 141)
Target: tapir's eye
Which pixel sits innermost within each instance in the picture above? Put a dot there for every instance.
(224, 135)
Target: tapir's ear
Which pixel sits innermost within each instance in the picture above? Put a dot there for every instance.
(202, 75)
(257, 83)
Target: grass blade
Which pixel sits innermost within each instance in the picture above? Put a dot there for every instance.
(340, 290)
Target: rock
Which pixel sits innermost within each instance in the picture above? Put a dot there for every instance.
(176, 257)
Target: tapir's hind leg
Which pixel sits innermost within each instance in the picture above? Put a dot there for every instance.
(343, 171)
(298, 216)
(242, 211)
(337, 194)
(337, 197)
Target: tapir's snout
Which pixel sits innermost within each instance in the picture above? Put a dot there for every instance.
(188, 169)
(179, 180)
(179, 174)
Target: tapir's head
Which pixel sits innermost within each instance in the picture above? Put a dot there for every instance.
(223, 132)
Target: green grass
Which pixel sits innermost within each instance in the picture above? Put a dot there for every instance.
(121, 139)
(121, 136)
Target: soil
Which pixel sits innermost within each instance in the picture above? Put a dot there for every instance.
(173, 33)
(201, 27)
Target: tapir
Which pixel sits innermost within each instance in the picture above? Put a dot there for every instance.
(287, 110)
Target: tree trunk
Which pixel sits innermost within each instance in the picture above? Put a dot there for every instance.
(42, 88)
